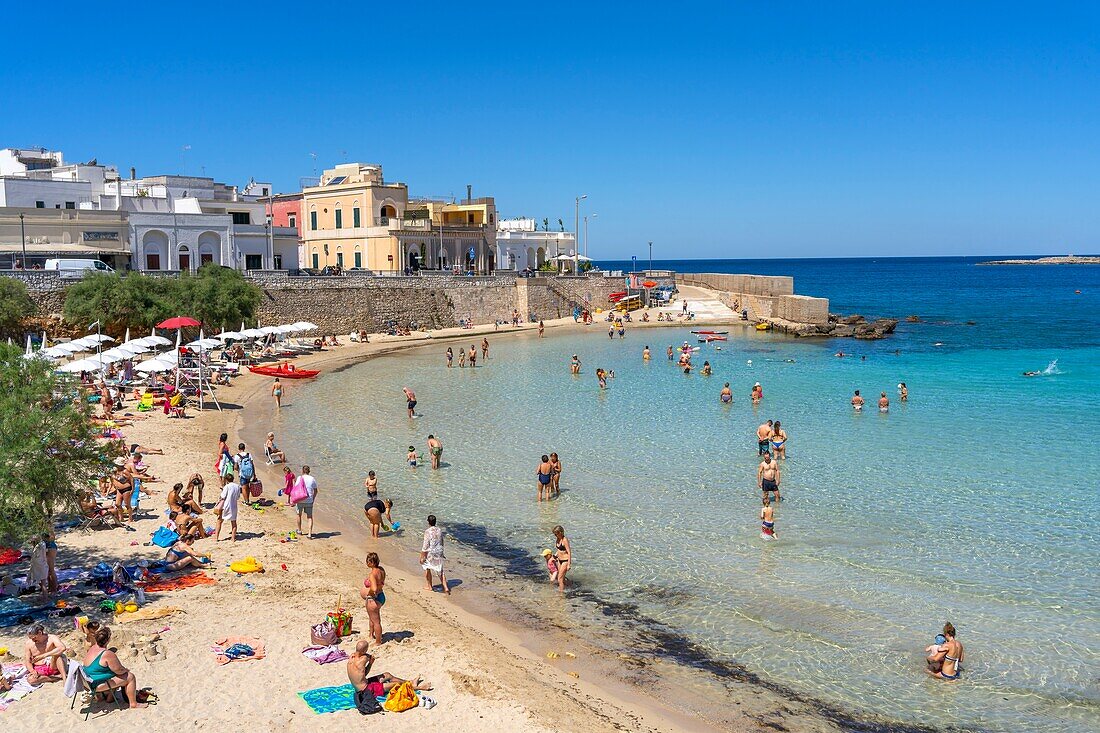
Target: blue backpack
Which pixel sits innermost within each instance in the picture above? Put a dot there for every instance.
(248, 470)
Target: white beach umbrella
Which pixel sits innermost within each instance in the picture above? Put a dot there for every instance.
(108, 357)
(204, 344)
(127, 336)
(253, 333)
(67, 349)
(306, 326)
(270, 329)
(76, 366)
(28, 352)
(169, 357)
(154, 365)
(88, 342)
(120, 353)
(97, 338)
(225, 335)
(153, 340)
(138, 346)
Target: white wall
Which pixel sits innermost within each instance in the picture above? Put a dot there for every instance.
(54, 194)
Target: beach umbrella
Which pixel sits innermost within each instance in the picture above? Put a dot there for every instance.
(97, 338)
(226, 335)
(153, 340)
(154, 365)
(305, 326)
(253, 333)
(127, 336)
(45, 341)
(204, 344)
(178, 322)
(88, 342)
(29, 353)
(138, 346)
(66, 349)
(270, 329)
(80, 365)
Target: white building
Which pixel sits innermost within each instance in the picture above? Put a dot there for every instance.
(172, 222)
(520, 245)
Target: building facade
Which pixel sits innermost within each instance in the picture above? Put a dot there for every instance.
(521, 246)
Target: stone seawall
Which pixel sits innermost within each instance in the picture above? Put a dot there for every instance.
(768, 297)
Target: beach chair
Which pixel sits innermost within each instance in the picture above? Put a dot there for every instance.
(89, 694)
(146, 403)
(88, 522)
(176, 405)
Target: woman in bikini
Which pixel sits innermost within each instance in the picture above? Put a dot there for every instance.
(726, 395)
(545, 476)
(950, 654)
(180, 555)
(178, 503)
(374, 595)
(555, 474)
(778, 440)
(450, 357)
(563, 554)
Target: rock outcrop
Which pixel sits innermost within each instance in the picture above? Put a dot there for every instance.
(854, 326)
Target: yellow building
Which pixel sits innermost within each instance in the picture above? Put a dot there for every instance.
(355, 219)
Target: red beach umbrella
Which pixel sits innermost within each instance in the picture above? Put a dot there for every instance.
(178, 322)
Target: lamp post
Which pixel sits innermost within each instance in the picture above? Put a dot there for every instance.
(23, 237)
(576, 228)
(651, 255)
(586, 233)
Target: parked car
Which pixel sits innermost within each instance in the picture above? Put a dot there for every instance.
(360, 271)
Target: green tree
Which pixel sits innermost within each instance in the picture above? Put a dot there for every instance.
(15, 304)
(48, 451)
(217, 296)
(118, 301)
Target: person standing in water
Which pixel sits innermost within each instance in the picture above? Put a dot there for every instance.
(277, 393)
(371, 485)
(757, 393)
(857, 402)
(950, 655)
(485, 349)
(778, 440)
(410, 400)
(563, 554)
(575, 365)
(903, 392)
(763, 438)
(435, 450)
(726, 395)
(645, 353)
(555, 474)
(670, 353)
(542, 329)
(767, 475)
(545, 476)
(450, 357)
(473, 356)
(611, 331)
(706, 369)
(883, 403)
(767, 521)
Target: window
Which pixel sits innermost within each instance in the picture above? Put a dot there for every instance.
(278, 262)
(291, 221)
(205, 257)
(339, 259)
(264, 189)
(70, 204)
(316, 261)
(253, 262)
(313, 223)
(358, 255)
(241, 217)
(355, 217)
(339, 219)
(39, 204)
(152, 261)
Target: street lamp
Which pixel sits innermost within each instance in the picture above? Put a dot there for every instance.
(576, 228)
(586, 233)
(651, 255)
(23, 236)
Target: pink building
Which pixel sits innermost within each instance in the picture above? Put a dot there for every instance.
(285, 210)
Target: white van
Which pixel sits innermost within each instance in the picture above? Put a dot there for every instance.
(77, 268)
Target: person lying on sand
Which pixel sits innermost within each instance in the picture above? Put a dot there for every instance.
(144, 450)
(379, 685)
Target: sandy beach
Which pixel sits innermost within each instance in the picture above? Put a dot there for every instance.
(484, 674)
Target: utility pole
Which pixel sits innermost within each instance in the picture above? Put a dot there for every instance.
(576, 228)
(23, 236)
(651, 255)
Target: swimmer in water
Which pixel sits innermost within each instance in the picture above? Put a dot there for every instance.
(411, 457)
(767, 521)
(778, 440)
(763, 438)
(883, 403)
(757, 393)
(903, 391)
(371, 484)
(611, 331)
(706, 369)
(545, 476)
(670, 353)
(726, 395)
(601, 377)
(767, 476)
(575, 365)
(1031, 374)
(645, 353)
(857, 401)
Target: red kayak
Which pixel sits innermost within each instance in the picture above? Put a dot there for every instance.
(284, 371)
(711, 333)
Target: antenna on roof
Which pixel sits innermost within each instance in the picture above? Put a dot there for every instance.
(314, 156)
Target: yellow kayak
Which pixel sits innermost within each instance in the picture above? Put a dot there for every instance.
(762, 326)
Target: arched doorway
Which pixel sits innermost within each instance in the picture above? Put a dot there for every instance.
(184, 259)
(540, 257)
(155, 246)
(388, 212)
(210, 245)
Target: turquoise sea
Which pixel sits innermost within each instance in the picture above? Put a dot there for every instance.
(975, 502)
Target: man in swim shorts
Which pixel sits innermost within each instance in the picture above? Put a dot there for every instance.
(44, 657)
(379, 685)
(767, 476)
(763, 435)
(435, 450)
(857, 401)
(410, 398)
(883, 403)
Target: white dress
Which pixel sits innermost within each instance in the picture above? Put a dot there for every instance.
(433, 546)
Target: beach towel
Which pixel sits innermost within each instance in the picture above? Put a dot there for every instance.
(146, 614)
(329, 699)
(325, 654)
(223, 645)
(9, 555)
(14, 611)
(20, 688)
(184, 581)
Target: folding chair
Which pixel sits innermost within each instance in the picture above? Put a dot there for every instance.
(89, 692)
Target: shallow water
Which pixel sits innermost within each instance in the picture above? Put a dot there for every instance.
(966, 504)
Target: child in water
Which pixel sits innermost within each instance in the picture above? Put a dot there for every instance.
(412, 458)
(551, 564)
(934, 650)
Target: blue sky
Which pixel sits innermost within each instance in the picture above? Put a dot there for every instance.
(725, 130)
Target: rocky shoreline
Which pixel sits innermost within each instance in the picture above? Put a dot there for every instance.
(1066, 260)
(838, 326)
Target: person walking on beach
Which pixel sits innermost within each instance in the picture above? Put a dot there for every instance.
(485, 349)
(410, 400)
(555, 474)
(226, 508)
(374, 595)
(778, 440)
(431, 556)
(435, 450)
(305, 506)
(767, 521)
(277, 393)
(883, 403)
(767, 476)
(450, 357)
(545, 476)
(857, 402)
(473, 356)
(563, 554)
(763, 437)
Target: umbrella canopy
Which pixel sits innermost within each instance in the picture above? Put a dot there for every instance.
(253, 333)
(138, 346)
(269, 329)
(97, 338)
(204, 344)
(153, 340)
(66, 349)
(225, 335)
(178, 322)
(570, 258)
(123, 352)
(154, 365)
(305, 326)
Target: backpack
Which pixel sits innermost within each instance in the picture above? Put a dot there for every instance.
(248, 470)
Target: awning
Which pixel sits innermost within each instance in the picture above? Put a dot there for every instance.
(39, 249)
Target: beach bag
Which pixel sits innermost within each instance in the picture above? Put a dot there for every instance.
(323, 634)
(401, 698)
(366, 703)
(256, 487)
(340, 619)
(248, 469)
(298, 491)
(225, 467)
(164, 537)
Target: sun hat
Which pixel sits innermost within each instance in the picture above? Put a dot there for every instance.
(546, 553)
(756, 385)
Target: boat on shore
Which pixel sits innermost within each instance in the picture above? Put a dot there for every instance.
(284, 370)
(710, 333)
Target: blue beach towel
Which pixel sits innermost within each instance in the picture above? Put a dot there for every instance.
(329, 699)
